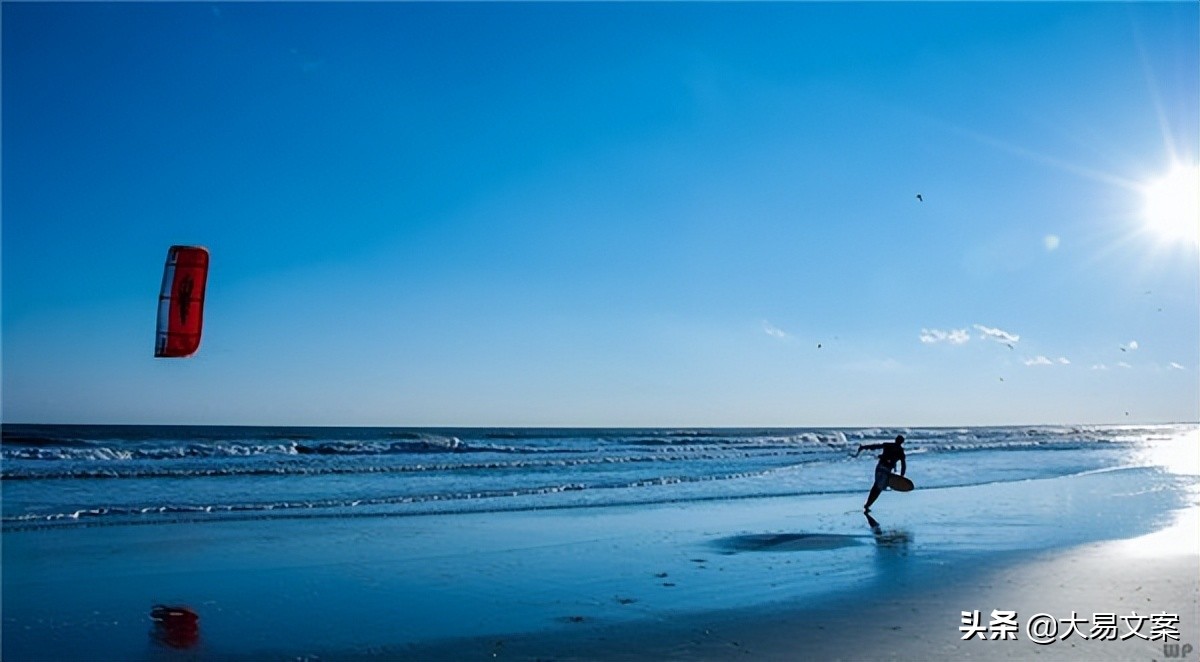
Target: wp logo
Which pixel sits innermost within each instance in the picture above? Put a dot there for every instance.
(1175, 650)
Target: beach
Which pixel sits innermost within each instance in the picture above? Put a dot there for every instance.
(594, 331)
(774, 577)
(918, 619)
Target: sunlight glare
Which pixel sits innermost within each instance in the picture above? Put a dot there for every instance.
(1172, 208)
(1179, 455)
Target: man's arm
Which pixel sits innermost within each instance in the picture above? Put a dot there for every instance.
(872, 447)
(903, 466)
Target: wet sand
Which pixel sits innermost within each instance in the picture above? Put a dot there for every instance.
(768, 578)
(921, 619)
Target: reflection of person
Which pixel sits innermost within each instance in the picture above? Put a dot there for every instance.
(893, 451)
(895, 541)
(874, 524)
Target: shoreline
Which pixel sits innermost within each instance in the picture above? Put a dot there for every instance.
(905, 623)
(777, 576)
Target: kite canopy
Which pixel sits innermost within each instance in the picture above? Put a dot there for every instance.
(181, 302)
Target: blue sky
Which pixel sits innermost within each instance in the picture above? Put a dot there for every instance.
(601, 214)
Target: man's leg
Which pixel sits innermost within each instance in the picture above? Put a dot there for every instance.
(881, 481)
(875, 492)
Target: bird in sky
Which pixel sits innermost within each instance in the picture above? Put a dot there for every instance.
(919, 198)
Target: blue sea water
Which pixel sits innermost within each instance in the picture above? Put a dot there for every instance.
(304, 543)
(68, 475)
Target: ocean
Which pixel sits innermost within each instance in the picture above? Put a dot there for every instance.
(401, 543)
(88, 475)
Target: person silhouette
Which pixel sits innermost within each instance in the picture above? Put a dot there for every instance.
(893, 452)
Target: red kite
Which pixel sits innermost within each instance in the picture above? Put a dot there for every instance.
(181, 302)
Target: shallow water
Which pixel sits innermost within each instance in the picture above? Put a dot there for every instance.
(301, 542)
(296, 588)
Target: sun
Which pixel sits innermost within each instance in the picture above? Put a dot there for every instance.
(1172, 204)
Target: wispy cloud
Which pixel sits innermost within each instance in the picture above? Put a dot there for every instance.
(1133, 344)
(1000, 336)
(953, 336)
(1099, 366)
(774, 331)
(1043, 360)
(1051, 242)
(1176, 366)
(1123, 364)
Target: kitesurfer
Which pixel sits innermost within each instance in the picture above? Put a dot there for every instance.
(893, 451)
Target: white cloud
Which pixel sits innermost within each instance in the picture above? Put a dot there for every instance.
(774, 331)
(1176, 366)
(1051, 242)
(1099, 366)
(1123, 364)
(1043, 360)
(1133, 344)
(953, 336)
(998, 335)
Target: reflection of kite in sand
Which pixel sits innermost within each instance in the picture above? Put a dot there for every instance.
(176, 627)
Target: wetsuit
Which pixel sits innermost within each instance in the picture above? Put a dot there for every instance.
(892, 453)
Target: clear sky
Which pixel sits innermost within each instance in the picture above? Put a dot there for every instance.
(626, 214)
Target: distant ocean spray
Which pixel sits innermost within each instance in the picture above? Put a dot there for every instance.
(68, 475)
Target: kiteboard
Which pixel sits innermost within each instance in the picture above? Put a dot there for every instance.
(900, 483)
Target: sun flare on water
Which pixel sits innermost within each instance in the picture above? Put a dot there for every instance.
(1172, 204)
